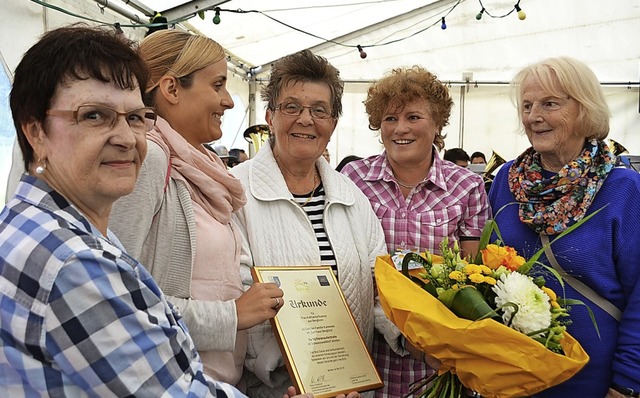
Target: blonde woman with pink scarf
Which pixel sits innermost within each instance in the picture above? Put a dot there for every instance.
(178, 220)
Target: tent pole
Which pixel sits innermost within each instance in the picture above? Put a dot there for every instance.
(461, 128)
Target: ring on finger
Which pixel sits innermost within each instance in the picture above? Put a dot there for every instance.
(277, 302)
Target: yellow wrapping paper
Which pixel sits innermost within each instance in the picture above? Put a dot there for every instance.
(487, 356)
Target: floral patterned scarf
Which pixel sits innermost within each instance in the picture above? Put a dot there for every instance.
(551, 205)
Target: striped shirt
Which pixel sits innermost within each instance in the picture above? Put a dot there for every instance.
(81, 318)
(450, 202)
(313, 204)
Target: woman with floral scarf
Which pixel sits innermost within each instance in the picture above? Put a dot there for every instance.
(566, 174)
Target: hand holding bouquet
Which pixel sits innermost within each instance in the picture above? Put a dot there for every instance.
(495, 329)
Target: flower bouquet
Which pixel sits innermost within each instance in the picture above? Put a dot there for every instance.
(495, 329)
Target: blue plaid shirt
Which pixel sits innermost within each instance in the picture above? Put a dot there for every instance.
(79, 317)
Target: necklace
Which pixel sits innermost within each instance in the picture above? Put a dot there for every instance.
(313, 190)
(405, 185)
(408, 186)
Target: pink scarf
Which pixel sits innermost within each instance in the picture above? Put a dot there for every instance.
(209, 183)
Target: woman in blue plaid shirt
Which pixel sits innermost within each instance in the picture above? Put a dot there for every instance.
(80, 317)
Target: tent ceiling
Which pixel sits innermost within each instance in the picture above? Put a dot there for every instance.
(406, 32)
(259, 32)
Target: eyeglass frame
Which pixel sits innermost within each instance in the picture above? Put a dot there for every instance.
(301, 109)
(76, 113)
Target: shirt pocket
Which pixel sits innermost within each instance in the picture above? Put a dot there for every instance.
(440, 223)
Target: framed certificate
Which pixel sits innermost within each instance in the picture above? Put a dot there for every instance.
(319, 339)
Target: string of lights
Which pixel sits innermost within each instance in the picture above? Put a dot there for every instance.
(359, 47)
(516, 8)
(158, 22)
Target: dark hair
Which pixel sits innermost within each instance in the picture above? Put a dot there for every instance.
(455, 154)
(304, 66)
(478, 155)
(75, 52)
(236, 152)
(234, 156)
(345, 161)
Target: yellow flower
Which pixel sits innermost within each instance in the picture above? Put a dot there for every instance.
(472, 269)
(485, 270)
(457, 276)
(489, 280)
(476, 278)
(550, 293)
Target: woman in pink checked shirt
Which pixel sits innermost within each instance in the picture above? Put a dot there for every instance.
(419, 198)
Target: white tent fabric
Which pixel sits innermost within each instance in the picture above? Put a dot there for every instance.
(599, 33)
(393, 33)
(489, 51)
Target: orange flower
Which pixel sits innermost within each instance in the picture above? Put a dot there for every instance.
(494, 256)
(513, 260)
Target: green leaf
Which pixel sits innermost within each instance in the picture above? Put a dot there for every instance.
(484, 239)
(469, 303)
(513, 314)
(447, 297)
(567, 302)
(526, 267)
(429, 287)
(415, 257)
(489, 228)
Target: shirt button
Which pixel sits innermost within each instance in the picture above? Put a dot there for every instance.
(397, 362)
(188, 377)
(404, 214)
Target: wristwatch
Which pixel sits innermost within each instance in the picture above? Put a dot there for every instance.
(626, 391)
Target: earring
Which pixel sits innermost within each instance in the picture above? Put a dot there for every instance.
(40, 169)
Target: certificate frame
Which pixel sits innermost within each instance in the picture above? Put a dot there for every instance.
(320, 342)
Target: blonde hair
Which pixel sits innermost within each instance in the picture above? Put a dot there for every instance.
(178, 54)
(568, 76)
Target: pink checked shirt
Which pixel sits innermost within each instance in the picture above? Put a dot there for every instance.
(451, 202)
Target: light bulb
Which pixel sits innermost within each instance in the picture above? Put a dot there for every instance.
(216, 18)
(521, 14)
(444, 25)
(479, 15)
(363, 54)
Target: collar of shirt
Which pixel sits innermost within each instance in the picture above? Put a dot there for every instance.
(380, 169)
(37, 192)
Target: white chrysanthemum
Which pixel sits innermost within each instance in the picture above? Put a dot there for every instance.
(533, 304)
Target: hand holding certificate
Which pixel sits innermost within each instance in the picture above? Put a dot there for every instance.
(320, 342)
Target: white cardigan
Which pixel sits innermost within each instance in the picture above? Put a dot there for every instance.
(277, 231)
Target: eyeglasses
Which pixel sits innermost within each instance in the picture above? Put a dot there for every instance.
(294, 109)
(102, 118)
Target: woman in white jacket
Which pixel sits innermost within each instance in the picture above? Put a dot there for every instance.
(300, 211)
